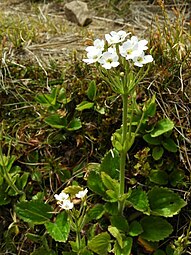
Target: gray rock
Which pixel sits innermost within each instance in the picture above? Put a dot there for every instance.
(77, 12)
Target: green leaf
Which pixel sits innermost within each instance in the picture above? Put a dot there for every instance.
(164, 202)
(61, 98)
(48, 99)
(72, 190)
(176, 177)
(6, 162)
(110, 183)
(56, 121)
(116, 140)
(34, 238)
(127, 246)
(94, 183)
(100, 243)
(34, 211)
(110, 164)
(111, 208)
(112, 196)
(158, 176)
(159, 252)
(149, 108)
(169, 145)
(152, 140)
(115, 233)
(99, 109)
(69, 253)
(120, 223)
(162, 126)
(4, 198)
(43, 250)
(139, 200)
(60, 229)
(91, 92)
(96, 212)
(157, 152)
(135, 228)
(155, 228)
(84, 106)
(23, 180)
(74, 124)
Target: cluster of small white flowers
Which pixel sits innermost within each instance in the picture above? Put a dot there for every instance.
(64, 201)
(107, 55)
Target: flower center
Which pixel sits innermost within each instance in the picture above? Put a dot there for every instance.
(109, 60)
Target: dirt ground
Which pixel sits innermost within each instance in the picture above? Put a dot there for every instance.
(136, 17)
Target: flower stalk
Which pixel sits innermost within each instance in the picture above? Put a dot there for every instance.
(123, 154)
(128, 54)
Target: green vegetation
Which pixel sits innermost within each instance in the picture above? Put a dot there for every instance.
(93, 160)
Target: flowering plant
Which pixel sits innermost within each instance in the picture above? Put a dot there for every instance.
(67, 199)
(117, 58)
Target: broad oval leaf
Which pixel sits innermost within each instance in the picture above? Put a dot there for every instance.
(95, 212)
(176, 177)
(110, 164)
(56, 121)
(152, 140)
(43, 250)
(120, 223)
(91, 92)
(164, 202)
(34, 211)
(163, 126)
(158, 176)
(169, 145)
(135, 228)
(100, 244)
(60, 229)
(127, 246)
(74, 124)
(139, 200)
(157, 152)
(95, 183)
(155, 228)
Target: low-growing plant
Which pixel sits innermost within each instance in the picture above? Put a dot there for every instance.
(12, 179)
(122, 211)
(55, 112)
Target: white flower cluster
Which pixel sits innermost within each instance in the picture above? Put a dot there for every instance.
(65, 202)
(108, 55)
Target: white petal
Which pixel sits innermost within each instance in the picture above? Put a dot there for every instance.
(67, 205)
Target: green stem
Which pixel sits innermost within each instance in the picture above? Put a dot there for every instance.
(123, 155)
(6, 175)
(78, 240)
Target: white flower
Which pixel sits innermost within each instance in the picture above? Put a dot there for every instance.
(142, 45)
(61, 197)
(142, 60)
(99, 44)
(109, 60)
(66, 205)
(93, 55)
(133, 48)
(112, 49)
(129, 50)
(115, 37)
(82, 193)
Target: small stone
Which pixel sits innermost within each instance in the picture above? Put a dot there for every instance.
(77, 12)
